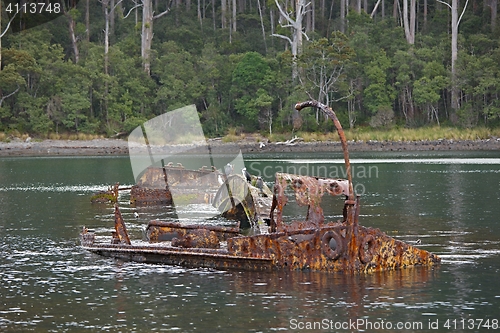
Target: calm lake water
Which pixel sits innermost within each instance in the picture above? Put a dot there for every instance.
(450, 201)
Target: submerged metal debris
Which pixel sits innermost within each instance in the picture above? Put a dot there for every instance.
(309, 243)
(156, 184)
(110, 195)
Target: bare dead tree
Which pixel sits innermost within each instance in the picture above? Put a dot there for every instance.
(2, 33)
(293, 21)
(262, 25)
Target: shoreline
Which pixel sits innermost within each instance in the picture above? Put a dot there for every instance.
(117, 147)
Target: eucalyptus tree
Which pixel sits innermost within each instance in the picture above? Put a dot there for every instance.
(10, 79)
(108, 12)
(148, 18)
(455, 22)
(409, 25)
(293, 19)
(70, 14)
(5, 29)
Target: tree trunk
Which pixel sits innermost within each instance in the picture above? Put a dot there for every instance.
(112, 18)
(409, 26)
(87, 20)
(310, 17)
(413, 21)
(213, 14)
(494, 9)
(455, 105)
(410, 105)
(343, 8)
(262, 25)
(351, 105)
(1, 32)
(375, 8)
(106, 59)
(234, 15)
(106, 35)
(296, 26)
(223, 10)
(74, 44)
(425, 14)
(198, 11)
(297, 35)
(147, 34)
(406, 24)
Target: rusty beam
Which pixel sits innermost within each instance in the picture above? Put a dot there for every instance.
(120, 235)
(158, 231)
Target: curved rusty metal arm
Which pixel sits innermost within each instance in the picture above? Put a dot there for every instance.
(331, 114)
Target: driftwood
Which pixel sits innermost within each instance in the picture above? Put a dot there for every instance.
(291, 142)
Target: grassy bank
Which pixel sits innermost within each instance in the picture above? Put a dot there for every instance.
(358, 134)
(7, 137)
(399, 134)
(424, 133)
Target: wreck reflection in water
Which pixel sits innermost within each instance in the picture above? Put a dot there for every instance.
(50, 285)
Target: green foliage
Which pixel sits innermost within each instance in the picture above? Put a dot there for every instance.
(383, 118)
(323, 63)
(379, 94)
(427, 88)
(250, 79)
(242, 79)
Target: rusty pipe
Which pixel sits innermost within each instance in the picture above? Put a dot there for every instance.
(331, 114)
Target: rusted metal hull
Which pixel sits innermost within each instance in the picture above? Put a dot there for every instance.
(143, 196)
(307, 249)
(329, 247)
(188, 258)
(310, 249)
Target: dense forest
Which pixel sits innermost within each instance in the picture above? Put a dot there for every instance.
(106, 66)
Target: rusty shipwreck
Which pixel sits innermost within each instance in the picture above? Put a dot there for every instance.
(311, 243)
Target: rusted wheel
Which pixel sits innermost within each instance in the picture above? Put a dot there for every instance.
(332, 244)
(367, 249)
